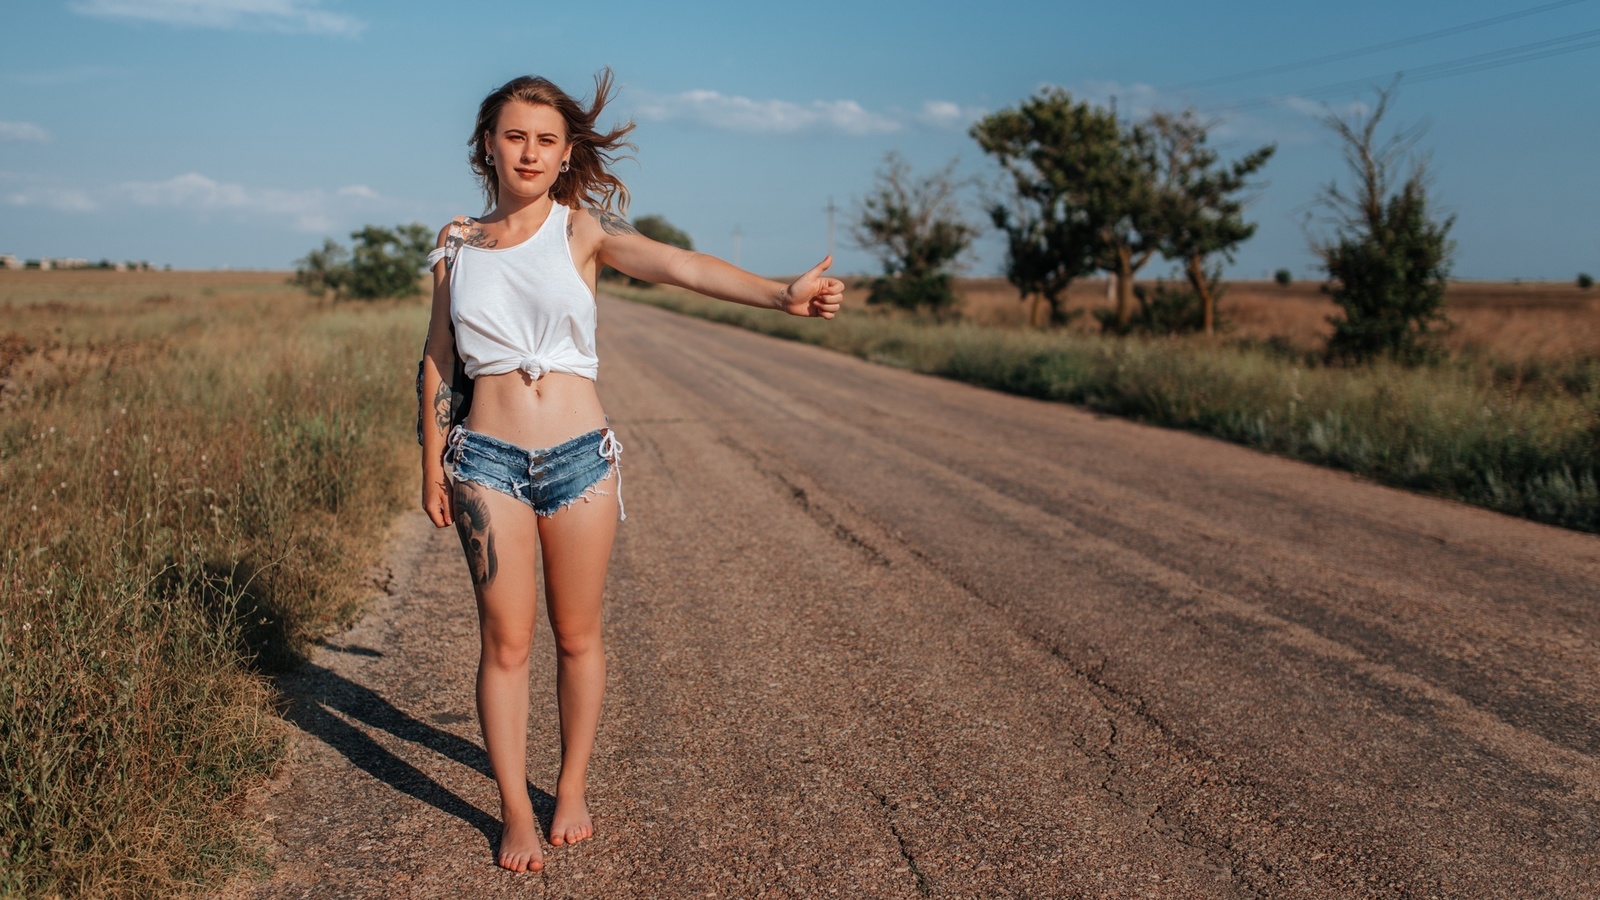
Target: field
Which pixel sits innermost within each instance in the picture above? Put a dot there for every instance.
(1511, 322)
(198, 469)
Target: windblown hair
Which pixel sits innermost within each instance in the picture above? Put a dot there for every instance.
(588, 180)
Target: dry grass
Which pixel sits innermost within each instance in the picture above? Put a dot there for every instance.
(1511, 322)
(199, 467)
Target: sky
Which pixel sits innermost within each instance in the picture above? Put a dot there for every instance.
(241, 133)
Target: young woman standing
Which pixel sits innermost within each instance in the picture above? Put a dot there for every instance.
(535, 467)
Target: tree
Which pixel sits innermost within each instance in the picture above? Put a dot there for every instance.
(323, 270)
(914, 227)
(1388, 259)
(1198, 204)
(387, 262)
(1081, 197)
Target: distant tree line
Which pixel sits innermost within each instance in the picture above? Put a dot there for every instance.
(388, 262)
(1084, 191)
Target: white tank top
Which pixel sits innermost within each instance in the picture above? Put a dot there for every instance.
(521, 307)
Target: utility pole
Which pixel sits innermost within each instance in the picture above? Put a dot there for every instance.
(831, 209)
(736, 235)
(1111, 277)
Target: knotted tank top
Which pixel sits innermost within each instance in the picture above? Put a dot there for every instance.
(520, 307)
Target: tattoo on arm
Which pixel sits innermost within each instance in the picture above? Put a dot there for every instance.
(612, 223)
(443, 405)
(477, 541)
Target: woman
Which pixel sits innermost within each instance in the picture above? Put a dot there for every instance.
(535, 465)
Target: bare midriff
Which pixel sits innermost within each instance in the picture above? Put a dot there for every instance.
(534, 414)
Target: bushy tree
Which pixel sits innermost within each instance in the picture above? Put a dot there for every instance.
(914, 227)
(1199, 201)
(1076, 190)
(1585, 281)
(385, 262)
(1283, 277)
(1388, 259)
(657, 228)
(323, 270)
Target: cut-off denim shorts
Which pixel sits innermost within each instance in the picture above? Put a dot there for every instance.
(547, 480)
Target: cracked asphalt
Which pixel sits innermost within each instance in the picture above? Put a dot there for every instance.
(873, 634)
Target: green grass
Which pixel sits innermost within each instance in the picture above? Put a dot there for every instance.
(1519, 438)
(198, 478)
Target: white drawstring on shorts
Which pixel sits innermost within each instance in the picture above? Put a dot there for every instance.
(611, 451)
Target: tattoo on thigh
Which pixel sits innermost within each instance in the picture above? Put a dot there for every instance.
(613, 223)
(477, 541)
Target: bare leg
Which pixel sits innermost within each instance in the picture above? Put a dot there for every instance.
(577, 544)
(498, 535)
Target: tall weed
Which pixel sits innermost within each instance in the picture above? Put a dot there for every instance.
(197, 487)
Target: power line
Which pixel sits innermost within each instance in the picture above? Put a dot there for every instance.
(1373, 48)
(1477, 62)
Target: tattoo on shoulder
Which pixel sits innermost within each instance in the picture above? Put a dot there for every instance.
(473, 236)
(612, 223)
(569, 227)
(465, 232)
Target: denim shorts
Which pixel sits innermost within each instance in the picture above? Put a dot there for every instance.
(547, 480)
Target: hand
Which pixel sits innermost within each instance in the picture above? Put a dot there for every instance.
(438, 501)
(814, 294)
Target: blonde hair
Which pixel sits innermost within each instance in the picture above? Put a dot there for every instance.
(588, 179)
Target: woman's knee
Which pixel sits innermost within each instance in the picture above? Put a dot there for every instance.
(575, 643)
(506, 648)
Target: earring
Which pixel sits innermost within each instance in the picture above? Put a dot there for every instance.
(488, 159)
(564, 166)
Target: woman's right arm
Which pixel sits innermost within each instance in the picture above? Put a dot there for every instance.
(438, 366)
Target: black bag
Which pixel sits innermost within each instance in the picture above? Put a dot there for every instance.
(460, 394)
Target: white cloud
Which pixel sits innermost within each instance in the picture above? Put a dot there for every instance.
(60, 199)
(23, 131)
(1317, 109)
(1133, 100)
(299, 16)
(1228, 125)
(310, 209)
(945, 114)
(730, 113)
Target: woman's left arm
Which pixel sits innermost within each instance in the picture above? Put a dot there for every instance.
(623, 248)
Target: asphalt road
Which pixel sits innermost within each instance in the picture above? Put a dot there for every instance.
(873, 634)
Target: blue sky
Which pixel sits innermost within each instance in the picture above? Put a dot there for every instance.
(210, 133)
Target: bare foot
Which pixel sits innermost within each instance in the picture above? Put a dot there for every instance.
(519, 844)
(571, 823)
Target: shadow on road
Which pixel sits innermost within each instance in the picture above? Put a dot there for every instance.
(316, 693)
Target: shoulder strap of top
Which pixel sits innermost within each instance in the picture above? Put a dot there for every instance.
(454, 237)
